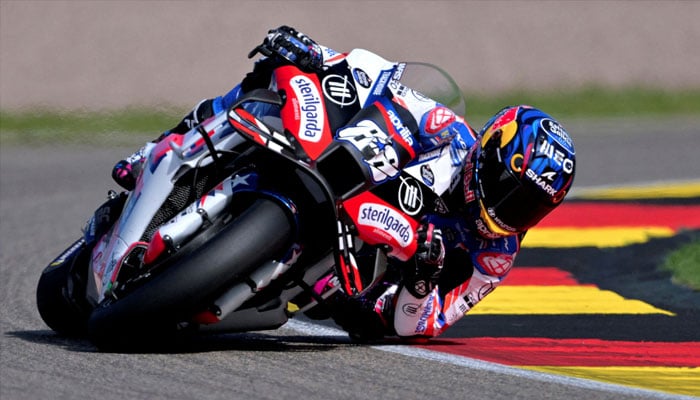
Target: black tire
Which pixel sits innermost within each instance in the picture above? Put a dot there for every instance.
(149, 315)
(60, 293)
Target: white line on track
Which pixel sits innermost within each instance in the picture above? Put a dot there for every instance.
(320, 330)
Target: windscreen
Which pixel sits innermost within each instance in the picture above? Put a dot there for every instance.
(435, 83)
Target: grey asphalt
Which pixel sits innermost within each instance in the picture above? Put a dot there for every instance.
(46, 193)
(112, 54)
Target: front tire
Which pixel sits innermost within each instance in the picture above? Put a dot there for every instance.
(60, 293)
(150, 314)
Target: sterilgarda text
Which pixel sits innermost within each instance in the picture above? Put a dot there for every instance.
(312, 122)
(387, 219)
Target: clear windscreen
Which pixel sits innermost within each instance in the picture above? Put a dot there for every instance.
(435, 83)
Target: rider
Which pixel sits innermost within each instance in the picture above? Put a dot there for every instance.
(504, 181)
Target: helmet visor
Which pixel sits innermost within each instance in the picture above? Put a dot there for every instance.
(510, 206)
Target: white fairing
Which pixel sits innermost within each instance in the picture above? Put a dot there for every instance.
(445, 166)
(163, 161)
(379, 70)
(445, 162)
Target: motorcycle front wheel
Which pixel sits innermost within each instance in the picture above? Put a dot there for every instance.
(60, 292)
(152, 313)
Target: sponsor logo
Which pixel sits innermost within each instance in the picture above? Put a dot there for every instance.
(328, 52)
(400, 127)
(557, 132)
(540, 182)
(470, 300)
(388, 220)
(410, 309)
(311, 112)
(438, 119)
(398, 71)
(381, 83)
(498, 221)
(427, 311)
(557, 155)
(339, 90)
(440, 206)
(362, 78)
(60, 260)
(484, 230)
(421, 287)
(486, 289)
(427, 174)
(399, 89)
(410, 196)
(430, 155)
(469, 194)
(495, 264)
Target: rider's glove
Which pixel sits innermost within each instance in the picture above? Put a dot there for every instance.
(429, 258)
(293, 46)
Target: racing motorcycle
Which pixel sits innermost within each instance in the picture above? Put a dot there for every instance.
(232, 224)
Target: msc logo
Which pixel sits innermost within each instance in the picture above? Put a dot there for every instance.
(410, 196)
(339, 90)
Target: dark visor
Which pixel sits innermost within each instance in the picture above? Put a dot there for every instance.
(510, 204)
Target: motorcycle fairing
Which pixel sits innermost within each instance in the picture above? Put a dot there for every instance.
(380, 223)
(381, 213)
(383, 136)
(372, 74)
(318, 104)
(166, 161)
(304, 112)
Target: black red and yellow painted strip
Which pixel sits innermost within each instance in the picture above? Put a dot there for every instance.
(586, 300)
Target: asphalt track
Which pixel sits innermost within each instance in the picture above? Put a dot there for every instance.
(620, 308)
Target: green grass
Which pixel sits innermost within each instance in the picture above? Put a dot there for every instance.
(97, 127)
(684, 265)
(592, 101)
(71, 126)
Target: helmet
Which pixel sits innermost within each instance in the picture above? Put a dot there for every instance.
(524, 166)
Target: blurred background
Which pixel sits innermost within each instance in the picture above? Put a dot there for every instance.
(622, 76)
(97, 55)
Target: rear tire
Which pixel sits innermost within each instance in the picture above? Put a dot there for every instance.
(150, 314)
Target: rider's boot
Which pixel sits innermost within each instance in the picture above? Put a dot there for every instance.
(127, 170)
(369, 316)
(326, 289)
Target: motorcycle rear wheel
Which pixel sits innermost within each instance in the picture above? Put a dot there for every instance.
(150, 315)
